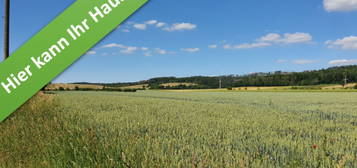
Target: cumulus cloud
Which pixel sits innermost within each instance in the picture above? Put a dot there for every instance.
(304, 61)
(296, 38)
(126, 49)
(151, 22)
(140, 26)
(273, 38)
(343, 62)
(190, 50)
(146, 51)
(347, 43)
(160, 25)
(340, 5)
(287, 38)
(180, 27)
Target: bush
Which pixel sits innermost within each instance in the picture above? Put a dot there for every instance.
(355, 87)
(61, 89)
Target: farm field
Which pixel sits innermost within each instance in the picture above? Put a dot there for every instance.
(185, 129)
(71, 86)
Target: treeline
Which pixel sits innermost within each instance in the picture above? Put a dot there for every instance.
(334, 75)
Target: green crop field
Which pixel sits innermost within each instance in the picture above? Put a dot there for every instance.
(183, 129)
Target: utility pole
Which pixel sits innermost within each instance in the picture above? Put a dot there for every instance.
(6, 29)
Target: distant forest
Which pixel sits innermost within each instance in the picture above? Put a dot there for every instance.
(334, 75)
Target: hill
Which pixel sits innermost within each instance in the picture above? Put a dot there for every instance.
(334, 75)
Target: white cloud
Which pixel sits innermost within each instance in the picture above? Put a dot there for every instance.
(271, 37)
(160, 24)
(287, 38)
(347, 43)
(190, 50)
(160, 51)
(146, 51)
(112, 45)
(129, 50)
(213, 46)
(151, 22)
(296, 38)
(126, 49)
(343, 62)
(304, 61)
(91, 53)
(180, 27)
(247, 45)
(340, 5)
(140, 26)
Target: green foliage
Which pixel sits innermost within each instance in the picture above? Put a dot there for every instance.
(190, 129)
(38, 135)
(334, 75)
(245, 129)
(355, 87)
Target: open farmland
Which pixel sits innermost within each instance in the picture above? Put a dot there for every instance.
(192, 129)
(72, 86)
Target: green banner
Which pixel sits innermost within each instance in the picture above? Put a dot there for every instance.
(57, 46)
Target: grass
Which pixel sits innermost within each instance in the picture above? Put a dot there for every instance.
(39, 135)
(184, 129)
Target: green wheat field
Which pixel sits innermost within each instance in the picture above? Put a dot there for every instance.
(183, 130)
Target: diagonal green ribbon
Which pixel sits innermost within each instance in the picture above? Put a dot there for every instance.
(57, 46)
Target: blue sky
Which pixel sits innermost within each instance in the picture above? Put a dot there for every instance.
(200, 37)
